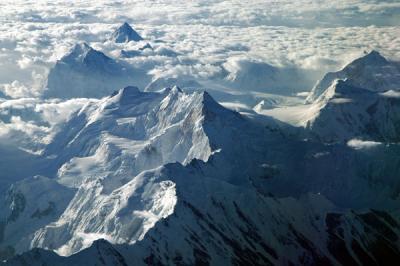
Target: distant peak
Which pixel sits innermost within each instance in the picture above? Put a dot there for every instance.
(81, 48)
(370, 58)
(126, 25)
(375, 54)
(125, 33)
(83, 52)
(147, 46)
(176, 89)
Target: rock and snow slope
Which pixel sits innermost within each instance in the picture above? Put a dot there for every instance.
(308, 204)
(359, 102)
(372, 72)
(346, 112)
(213, 224)
(106, 148)
(134, 131)
(88, 73)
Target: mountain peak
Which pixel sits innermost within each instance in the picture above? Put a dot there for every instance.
(370, 72)
(371, 58)
(210, 107)
(79, 50)
(85, 54)
(81, 47)
(125, 33)
(176, 89)
(126, 95)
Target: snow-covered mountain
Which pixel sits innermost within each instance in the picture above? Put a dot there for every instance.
(29, 205)
(108, 146)
(359, 102)
(87, 73)
(168, 177)
(372, 72)
(212, 223)
(345, 112)
(362, 101)
(125, 33)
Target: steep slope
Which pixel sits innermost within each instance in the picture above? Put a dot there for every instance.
(125, 33)
(86, 72)
(359, 102)
(213, 224)
(29, 204)
(108, 146)
(346, 112)
(308, 204)
(155, 128)
(372, 72)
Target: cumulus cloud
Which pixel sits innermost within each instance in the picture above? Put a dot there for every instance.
(26, 134)
(55, 111)
(16, 90)
(31, 123)
(315, 35)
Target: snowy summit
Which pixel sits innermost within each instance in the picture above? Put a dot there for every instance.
(125, 33)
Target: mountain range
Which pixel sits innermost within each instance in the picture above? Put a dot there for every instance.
(166, 176)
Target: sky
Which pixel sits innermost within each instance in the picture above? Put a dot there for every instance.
(199, 38)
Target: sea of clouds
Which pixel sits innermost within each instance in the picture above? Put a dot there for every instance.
(201, 39)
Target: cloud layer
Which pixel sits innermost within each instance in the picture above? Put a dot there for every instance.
(319, 35)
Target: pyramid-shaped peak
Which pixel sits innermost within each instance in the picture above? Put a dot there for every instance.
(79, 49)
(372, 58)
(375, 56)
(176, 89)
(374, 53)
(147, 46)
(125, 33)
(83, 52)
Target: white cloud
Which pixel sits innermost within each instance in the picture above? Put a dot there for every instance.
(314, 35)
(362, 144)
(16, 90)
(55, 111)
(391, 94)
